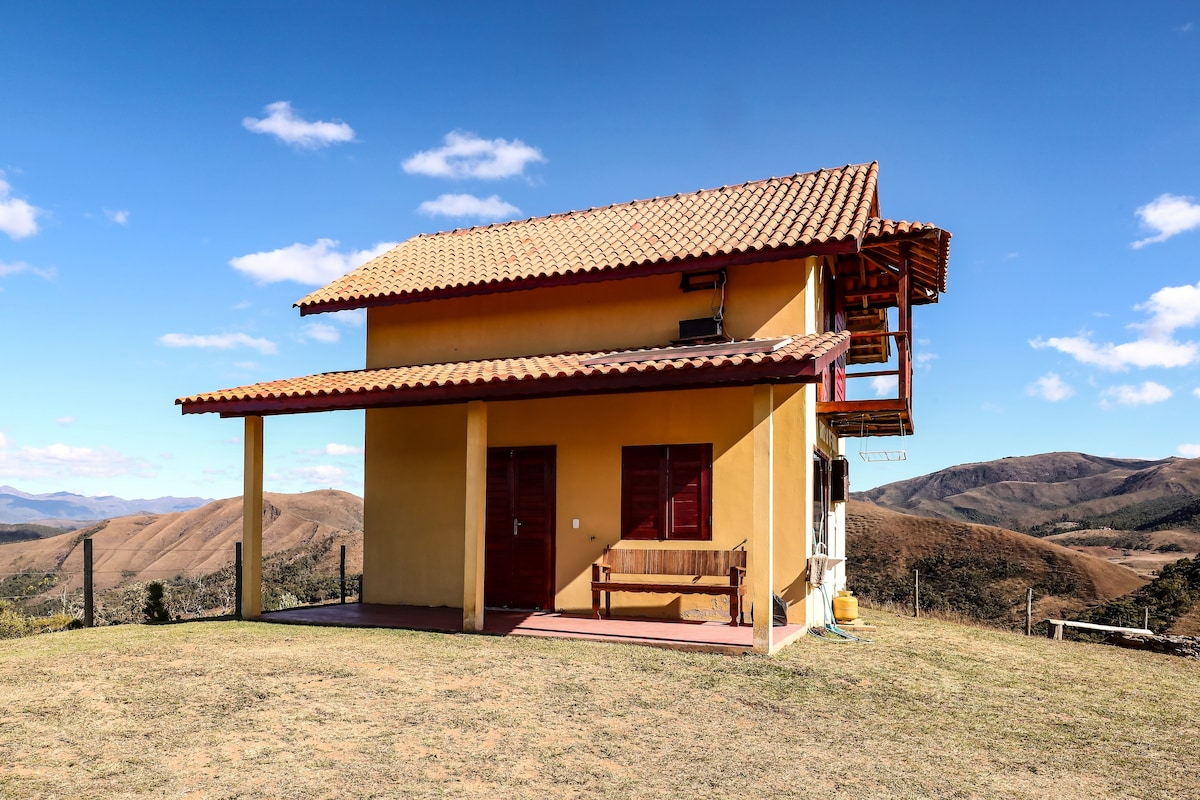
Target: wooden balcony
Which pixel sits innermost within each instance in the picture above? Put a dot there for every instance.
(868, 285)
(865, 418)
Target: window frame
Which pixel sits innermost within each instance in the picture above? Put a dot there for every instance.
(648, 495)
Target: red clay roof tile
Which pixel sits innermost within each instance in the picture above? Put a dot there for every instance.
(830, 208)
(797, 359)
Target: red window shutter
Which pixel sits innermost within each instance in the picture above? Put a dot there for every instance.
(643, 492)
(689, 497)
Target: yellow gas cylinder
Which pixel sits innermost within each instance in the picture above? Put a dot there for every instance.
(845, 606)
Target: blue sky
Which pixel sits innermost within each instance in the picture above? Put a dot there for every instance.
(174, 176)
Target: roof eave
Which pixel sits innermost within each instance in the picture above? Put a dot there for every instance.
(807, 370)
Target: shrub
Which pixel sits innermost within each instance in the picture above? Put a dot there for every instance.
(155, 608)
(13, 624)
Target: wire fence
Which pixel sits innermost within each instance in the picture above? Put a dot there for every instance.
(110, 585)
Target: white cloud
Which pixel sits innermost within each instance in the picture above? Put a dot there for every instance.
(924, 360)
(117, 217)
(218, 341)
(1146, 394)
(17, 267)
(249, 366)
(468, 205)
(334, 449)
(1171, 307)
(5, 442)
(283, 123)
(17, 218)
(1050, 387)
(65, 421)
(1196, 393)
(1189, 450)
(1140, 353)
(885, 385)
(320, 332)
(318, 476)
(58, 461)
(1167, 215)
(350, 317)
(314, 264)
(466, 155)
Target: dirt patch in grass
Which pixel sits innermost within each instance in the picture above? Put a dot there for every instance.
(930, 709)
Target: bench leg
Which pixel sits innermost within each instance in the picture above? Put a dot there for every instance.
(595, 604)
(735, 608)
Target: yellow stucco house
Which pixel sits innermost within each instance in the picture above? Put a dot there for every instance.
(666, 373)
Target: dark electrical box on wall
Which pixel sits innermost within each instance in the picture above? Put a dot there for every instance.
(839, 492)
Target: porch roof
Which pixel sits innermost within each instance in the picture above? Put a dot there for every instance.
(826, 212)
(792, 359)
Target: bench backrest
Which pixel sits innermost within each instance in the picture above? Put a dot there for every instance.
(673, 562)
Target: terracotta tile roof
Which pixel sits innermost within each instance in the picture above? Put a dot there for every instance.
(808, 213)
(795, 359)
(930, 252)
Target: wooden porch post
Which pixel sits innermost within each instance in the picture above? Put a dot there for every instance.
(252, 508)
(474, 544)
(762, 540)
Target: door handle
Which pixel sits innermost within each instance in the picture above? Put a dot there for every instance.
(516, 524)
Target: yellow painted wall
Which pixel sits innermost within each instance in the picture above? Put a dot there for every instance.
(414, 513)
(760, 300)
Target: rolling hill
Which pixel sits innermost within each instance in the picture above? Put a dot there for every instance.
(1024, 492)
(980, 571)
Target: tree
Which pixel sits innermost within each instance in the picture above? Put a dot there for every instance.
(155, 608)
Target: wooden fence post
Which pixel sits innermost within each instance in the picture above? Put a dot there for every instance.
(343, 573)
(237, 580)
(1029, 613)
(89, 599)
(916, 593)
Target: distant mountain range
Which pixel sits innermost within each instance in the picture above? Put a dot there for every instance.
(18, 506)
(1044, 493)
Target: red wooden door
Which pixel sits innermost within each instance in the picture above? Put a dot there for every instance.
(518, 567)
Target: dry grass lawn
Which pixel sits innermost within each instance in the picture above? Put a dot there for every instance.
(929, 710)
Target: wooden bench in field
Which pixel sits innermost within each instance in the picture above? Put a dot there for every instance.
(684, 568)
(1057, 625)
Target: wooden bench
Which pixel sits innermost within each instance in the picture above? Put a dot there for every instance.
(686, 567)
(1057, 625)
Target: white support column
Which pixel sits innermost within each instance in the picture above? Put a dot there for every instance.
(252, 514)
(762, 536)
(476, 516)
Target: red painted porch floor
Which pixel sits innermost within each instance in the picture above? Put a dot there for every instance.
(673, 634)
